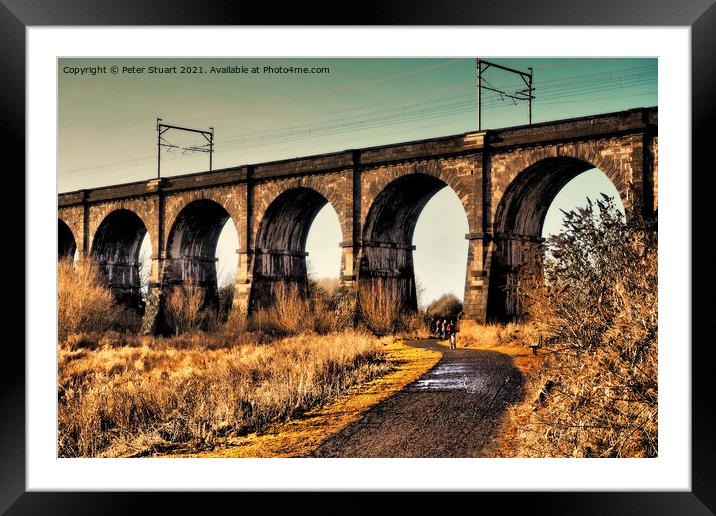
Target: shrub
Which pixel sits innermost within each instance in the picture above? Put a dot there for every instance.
(379, 305)
(414, 325)
(185, 308)
(328, 285)
(226, 299)
(84, 303)
(448, 306)
(288, 315)
(596, 306)
(236, 322)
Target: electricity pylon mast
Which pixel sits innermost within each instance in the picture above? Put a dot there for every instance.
(162, 142)
(519, 95)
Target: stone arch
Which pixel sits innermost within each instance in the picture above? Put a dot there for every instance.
(332, 187)
(191, 246)
(385, 263)
(145, 208)
(589, 153)
(66, 243)
(229, 198)
(73, 217)
(458, 175)
(116, 247)
(280, 243)
(519, 217)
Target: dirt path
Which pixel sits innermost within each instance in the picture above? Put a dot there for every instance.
(454, 410)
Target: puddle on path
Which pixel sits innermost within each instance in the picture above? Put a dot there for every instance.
(458, 376)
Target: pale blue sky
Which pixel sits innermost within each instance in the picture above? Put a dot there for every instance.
(107, 128)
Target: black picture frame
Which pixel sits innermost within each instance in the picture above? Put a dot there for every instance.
(700, 15)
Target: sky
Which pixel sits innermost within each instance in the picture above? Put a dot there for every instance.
(262, 112)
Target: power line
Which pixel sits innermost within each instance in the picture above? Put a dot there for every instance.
(351, 140)
(265, 136)
(373, 82)
(518, 95)
(464, 106)
(587, 78)
(608, 76)
(561, 88)
(316, 126)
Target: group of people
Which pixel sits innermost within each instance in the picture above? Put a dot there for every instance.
(446, 329)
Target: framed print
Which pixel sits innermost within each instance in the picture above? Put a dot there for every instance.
(203, 331)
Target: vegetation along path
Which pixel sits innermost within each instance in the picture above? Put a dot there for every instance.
(454, 410)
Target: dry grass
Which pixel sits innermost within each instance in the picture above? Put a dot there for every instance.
(488, 336)
(298, 437)
(120, 394)
(329, 285)
(187, 311)
(381, 310)
(287, 315)
(150, 396)
(184, 308)
(412, 325)
(379, 305)
(84, 304)
(295, 313)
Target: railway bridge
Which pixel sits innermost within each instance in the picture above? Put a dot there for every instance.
(505, 179)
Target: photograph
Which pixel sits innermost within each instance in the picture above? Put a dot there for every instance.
(357, 257)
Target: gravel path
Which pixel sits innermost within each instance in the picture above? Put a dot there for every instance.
(453, 410)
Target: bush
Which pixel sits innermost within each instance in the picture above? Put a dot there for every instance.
(184, 309)
(226, 299)
(414, 325)
(493, 335)
(596, 306)
(296, 311)
(236, 323)
(85, 304)
(379, 305)
(328, 285)
(448, 306)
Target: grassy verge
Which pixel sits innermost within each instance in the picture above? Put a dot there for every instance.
(218, 379)
(299, 436)
(510, 339)
(139, 397)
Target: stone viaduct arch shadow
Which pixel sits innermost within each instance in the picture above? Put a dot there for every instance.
(519, 219)
(280, 248)
(386, 259)
(66, 243)
(191, 248)
(116, 248)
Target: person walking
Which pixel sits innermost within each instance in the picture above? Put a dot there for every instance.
(454, 328)
(442, 329)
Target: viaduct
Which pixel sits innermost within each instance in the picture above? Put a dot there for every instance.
(505, 179)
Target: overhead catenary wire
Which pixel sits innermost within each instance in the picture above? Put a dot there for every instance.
(574, 80)
(463, 106)
(469, 94)
(586, 78)
(447, 111)
(451, 106)
(142, 172)
(346, 88)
